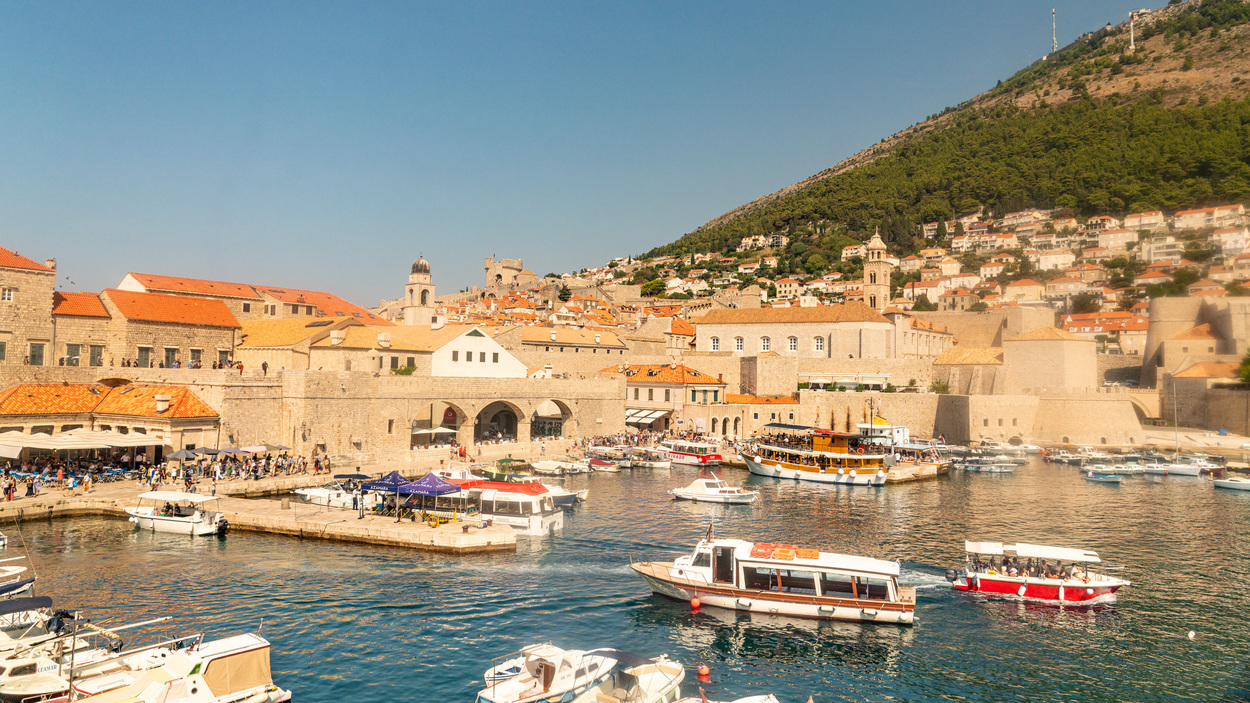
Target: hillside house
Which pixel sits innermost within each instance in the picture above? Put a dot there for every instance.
(1149, 221)
(1218, 216)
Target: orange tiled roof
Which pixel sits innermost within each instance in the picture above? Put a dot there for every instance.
(179, 309)
(1048, 334)
(848, 312)
(1203, 331)
(132, 400)
(327, 304)
(662, 373)
(78, 305)
(14, 260)
(177, 284)
(1210, 369)
(680, 326)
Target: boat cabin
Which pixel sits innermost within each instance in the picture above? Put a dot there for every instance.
(782, 568)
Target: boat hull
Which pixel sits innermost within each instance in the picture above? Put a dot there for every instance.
(729, 598)
(1048, 590)
(740, 499)
(206, 525)
(1233, 484)
(763, 468)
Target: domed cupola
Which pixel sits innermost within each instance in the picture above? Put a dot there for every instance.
(420, 266)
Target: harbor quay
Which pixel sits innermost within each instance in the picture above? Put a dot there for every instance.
(245, 512)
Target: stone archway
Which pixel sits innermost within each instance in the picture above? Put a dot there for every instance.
(431, 427)
(714, 424)
(737, 427)
(552, 418)
(499, 420)
(724, 427)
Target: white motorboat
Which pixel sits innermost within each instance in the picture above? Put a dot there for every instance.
(459, 472)
(1235, 483)
(545, 672)
(783, 579)
(223, 671)
(637, 679)
(559, 466)
(1155, 469)
(604, 466)
(650, 459)
(335, 494)
(990, 468)
(1185, 469)
(527, 508)
(179, 513)
(714, 490)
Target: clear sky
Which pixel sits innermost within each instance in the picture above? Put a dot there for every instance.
(326, 145)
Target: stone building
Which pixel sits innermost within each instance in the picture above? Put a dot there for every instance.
(26, 328)
(507, 273)
(1184, 331)
(852, 330)
(656, 393)
(250, 301)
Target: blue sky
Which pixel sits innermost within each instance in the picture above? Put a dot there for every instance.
(325, 145)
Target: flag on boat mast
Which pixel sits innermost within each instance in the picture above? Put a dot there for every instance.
(878, 420)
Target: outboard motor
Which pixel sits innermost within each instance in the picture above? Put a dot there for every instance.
(222, 527)
(952, 575)
(56, 625)
(115, 645)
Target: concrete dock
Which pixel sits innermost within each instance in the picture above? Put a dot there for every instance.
(296, 519)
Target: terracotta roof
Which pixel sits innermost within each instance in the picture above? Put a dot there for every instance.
(78, 305)
(50, 399)
(13, 260)
(1052, 334)
(849, 312)
(662, 373)
(1024, 282)
(965, 355)
(327, 304)
(283, 333)
(758, 400)
(680, 326)
(1203, 331)
(132, 400)
(141, 401)
(176, 284)
(1210, 369)
(569, 336)
(179, 309)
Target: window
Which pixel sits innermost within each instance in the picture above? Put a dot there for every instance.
(738, 345)
(247, 307)
(792, 344)
(171, 355)
(347, 364)
(985, 422)
(694, 396)
(1000, 422)
(145, 356)
(755, 416)
(494, 357)
(412, 362)
(455, 355)
(837, 585)
(819, 344)
(667, 391)
(765, 344)
(72, 353)
(1013, 422)
(223, 356)
(714, 396)
(705, 397)
(7, 295)
(792, 417)
(3, 349)
(715, 343)
(481, 356)
(468, 356)
(394, 362)
(390, 427)
(635, 394)
(650, 394)
(294, 309)
(36, 354)
(197, 355)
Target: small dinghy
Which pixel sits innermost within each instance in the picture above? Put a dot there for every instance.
(605, 466)
(714, 490)
(1235, 483)
(1103, 478)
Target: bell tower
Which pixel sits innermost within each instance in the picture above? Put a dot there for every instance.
(877, 272)
(419, 295)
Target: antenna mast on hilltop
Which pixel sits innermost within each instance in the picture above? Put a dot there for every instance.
(1132, 46)
(1054, 40)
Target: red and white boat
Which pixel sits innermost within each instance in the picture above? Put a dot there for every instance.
(680, 451)
(1034, 572)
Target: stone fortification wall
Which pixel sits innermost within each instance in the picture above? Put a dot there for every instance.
(1228, 409)
(1088, 418)
(772, 375)
(1168, 317)
(1049, 366)
(991, 327)
(970, 379)
(27, 317)
(1116, 368)
(839, 410)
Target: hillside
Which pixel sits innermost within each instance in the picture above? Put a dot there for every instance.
(1095, 127)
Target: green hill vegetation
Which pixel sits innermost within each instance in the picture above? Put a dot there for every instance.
(1092, 129)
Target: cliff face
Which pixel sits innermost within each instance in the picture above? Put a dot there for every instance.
(1185, 55)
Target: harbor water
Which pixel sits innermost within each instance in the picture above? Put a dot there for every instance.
(358, 623)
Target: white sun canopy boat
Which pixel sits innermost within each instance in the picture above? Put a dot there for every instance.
(179, 513)
(714, 490)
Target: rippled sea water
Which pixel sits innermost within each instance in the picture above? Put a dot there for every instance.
(360, 623)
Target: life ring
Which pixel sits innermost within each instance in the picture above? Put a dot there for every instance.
(859, 450)
(433, 522)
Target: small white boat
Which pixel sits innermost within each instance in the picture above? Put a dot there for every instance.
(1155, 469)
(637, 680)
(458, 472)
(559, 466)
(714, 490)
(1103, 478)
(1184, 470)
(179, 513)
(650, 459)
(546, 672)
(604, 466)
(1235, 483)
(336, 494)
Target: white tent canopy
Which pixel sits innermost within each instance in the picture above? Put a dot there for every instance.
(78, 439)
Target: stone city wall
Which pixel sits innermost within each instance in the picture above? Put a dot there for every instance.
(1228, 409)
(27, 317)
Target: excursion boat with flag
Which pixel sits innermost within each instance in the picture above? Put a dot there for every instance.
(1034, 572)
(784, 579)
(682, 452)
(863, 458)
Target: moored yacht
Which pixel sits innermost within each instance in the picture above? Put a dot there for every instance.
(714, 490)
(680, 451)
(544, 672)
(1034, 572)
(179, 513)
(784, 579)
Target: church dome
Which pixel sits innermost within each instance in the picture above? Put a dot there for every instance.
(420, 266)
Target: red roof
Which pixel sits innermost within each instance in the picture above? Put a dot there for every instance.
(176, 284)
(327, 304)
(533, 489)
(13, 260)
(78, 305)
(179, 309)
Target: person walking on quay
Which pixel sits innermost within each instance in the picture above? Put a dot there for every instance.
(214, 487)
(264, 368)
(355, 498)
(542, 448)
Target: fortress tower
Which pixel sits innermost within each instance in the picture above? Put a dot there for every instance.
(877, 272)
(419, 295)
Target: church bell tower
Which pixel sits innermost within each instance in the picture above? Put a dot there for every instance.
(419, 295)
(877, 272)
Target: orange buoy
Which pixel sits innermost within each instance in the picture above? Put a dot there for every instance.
(705, 672)
(694, 603)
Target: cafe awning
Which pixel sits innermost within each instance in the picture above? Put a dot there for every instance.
(644, 417)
